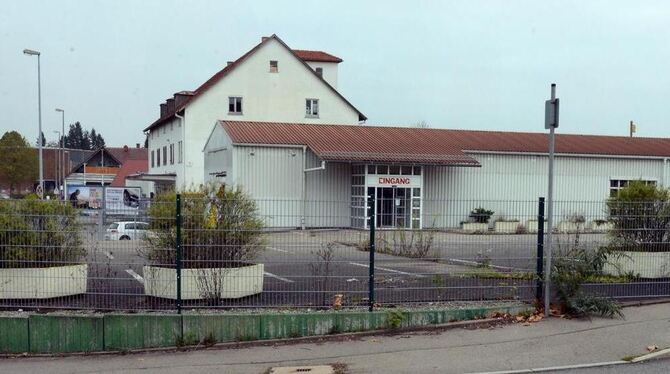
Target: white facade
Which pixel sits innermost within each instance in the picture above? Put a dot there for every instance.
(266, 96)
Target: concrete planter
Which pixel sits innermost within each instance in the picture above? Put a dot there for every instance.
(644, 264)
(43, 283)
(601, 227)
(570, 227)
(475, 227)
(196, 284)
(506, 227)
(531, 225)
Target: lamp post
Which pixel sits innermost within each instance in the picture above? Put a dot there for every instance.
(56, 162)
(30, 52)
(62, 147)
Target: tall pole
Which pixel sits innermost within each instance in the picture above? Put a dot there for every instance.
(550, 210)
(62, 149)
(30, 52)
(39, 111)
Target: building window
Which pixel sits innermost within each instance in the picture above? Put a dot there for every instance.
(180, 151)
(274, 66)
(617, 185)
(152, 158)
(171, 154)
(158, 157)
(234, 105)
(165, 155)
(319, 72)
(312, 108)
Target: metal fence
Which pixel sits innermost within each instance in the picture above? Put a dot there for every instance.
(231, 253)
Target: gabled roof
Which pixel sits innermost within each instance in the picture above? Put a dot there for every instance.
(230, 67)
(353, 143)
(128, 168)
(119, 154)
(316, 56)
(431, 146)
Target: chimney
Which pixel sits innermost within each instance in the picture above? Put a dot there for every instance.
(170, 105)
(229, 63)
(180, 98)
(163, 110)
(125, 148)
(137, 145)
(264, 38)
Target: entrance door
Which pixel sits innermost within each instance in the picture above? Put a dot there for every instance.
(393, 207)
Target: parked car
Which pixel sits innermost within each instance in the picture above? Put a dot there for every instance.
(127, 230)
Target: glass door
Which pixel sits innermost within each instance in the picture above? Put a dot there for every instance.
(394, 207)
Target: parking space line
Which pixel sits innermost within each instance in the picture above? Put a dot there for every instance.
(388, 270)
(277, 277)
(279, 250)
(135, 275)
(109, 255)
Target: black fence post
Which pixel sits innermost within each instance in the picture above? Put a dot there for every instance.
(540, 250)
(178, 254)
(371, 249)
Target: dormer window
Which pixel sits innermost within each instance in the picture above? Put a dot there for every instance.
(319, 72)
(274, 66)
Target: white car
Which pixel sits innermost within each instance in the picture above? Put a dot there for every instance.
(127, 230)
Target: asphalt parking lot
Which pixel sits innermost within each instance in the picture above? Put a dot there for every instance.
(296, 276)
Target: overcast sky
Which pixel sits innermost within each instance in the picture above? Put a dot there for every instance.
(454, 64)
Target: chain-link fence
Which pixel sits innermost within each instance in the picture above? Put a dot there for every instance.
(230, 252)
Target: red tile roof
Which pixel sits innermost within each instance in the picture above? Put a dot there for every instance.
(122, 154)
(230, 67)
(129, 167)
(318, 56)
(353, 142)
(431, 146)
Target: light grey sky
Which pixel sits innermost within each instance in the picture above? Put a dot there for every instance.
(454, 64)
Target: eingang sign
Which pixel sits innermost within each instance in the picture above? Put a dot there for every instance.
(394, 180)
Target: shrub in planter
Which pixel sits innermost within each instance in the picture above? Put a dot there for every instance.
(481, 215)
(40, 250)
(221, 236)
(640, 234)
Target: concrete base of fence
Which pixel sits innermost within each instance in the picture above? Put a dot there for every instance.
(642, 264)
(43, 283)
(226, 283)
(66, 333)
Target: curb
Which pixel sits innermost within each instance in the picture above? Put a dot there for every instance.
(652, 355)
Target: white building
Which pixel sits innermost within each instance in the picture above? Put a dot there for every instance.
(319, 176)
(271, 82)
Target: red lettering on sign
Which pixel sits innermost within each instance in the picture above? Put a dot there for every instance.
(393, 180)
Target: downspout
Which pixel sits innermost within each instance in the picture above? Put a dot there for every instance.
(663, 172)
(182, 121)
(304, 183)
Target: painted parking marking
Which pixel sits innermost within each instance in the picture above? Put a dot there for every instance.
(135, 275)
(388, 270)
(275, 276)
(279, 250)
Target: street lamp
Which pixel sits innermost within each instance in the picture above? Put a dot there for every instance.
(62, 146)
(30, 52)
(57, 161)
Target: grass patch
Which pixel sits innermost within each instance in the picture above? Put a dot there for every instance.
(492, 274)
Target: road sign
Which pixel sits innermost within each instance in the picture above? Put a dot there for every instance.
(551, 114)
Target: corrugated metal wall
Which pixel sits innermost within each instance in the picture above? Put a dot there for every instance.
(328, 194)
(511, 184)
(273, 176)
